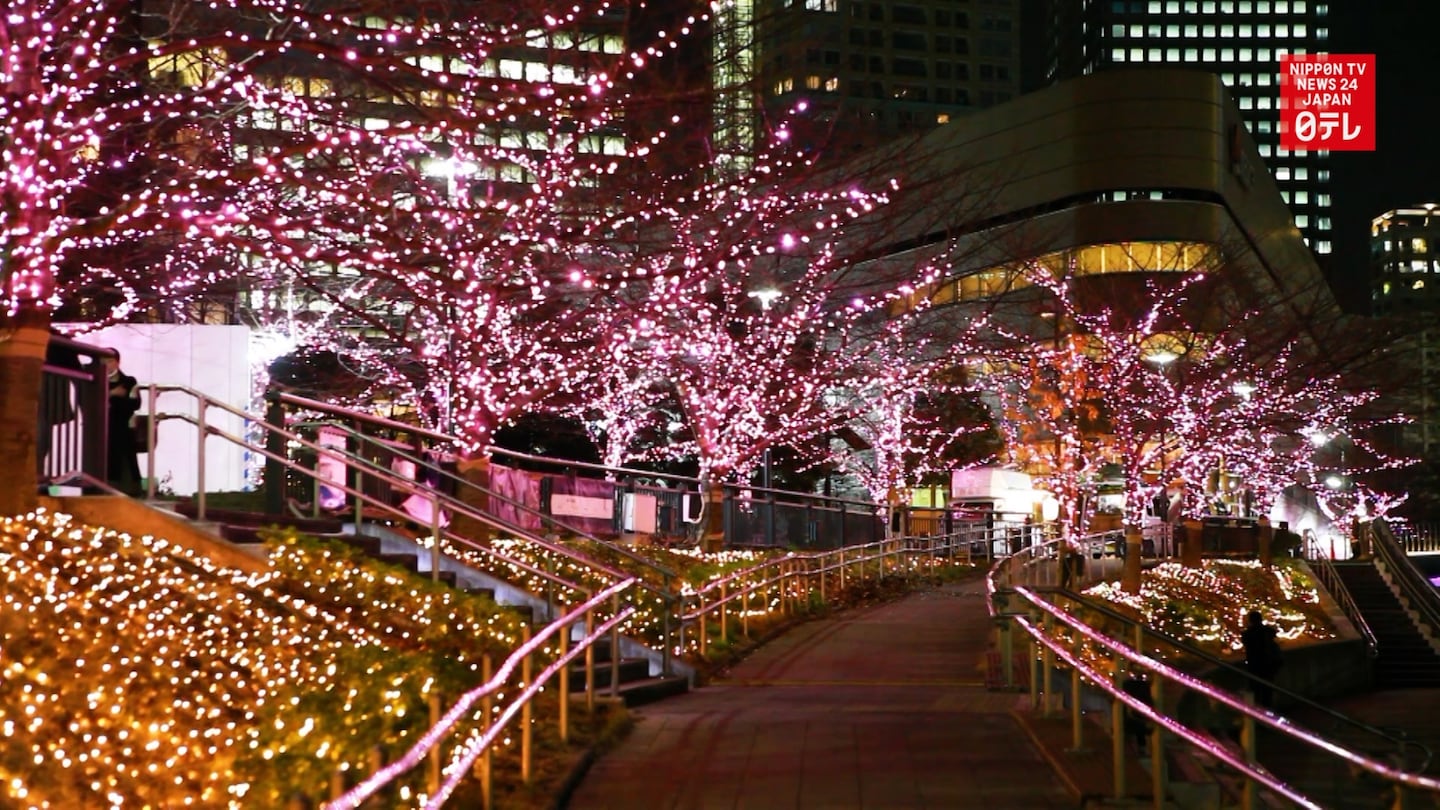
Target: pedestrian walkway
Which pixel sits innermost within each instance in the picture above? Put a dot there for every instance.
(882, 707)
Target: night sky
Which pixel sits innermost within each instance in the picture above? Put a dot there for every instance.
(1404, 169)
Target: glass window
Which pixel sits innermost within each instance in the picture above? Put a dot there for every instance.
(1245, 31)
(1172, 31)
(1322, 200)
(1154, 55)
(1282, 7)
(1192, 7)
(1302, 221)
(1263, 6)
(1418, 245)
(1155, 7)
(1137, 31)
(1192, 31)
(1302, 198)
(1245, 8)
(1302, 173)
(1299, 30)
(1227, 54)
(1247, 103)
(1282, 30)
(1300, 7)
(1227, 30)
(1209, 31)
(1262, 31)
(1172, 54)
(1208, 54)
(1137, 55)
(1282, 173)
(1119, 55)
(1191, 54)
(1322, 247)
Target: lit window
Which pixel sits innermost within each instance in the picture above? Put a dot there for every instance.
(1208, 54)
(1418, 245)
(1247, 103)
(1209, 31)
(1300, 7)
(1323, 247)
(1282, 7)
(1227, 54)
(1208, 7)
(1263, 54)
(1172, 54)
(1302, 198)
(832, 84)
(1262, 31)
(1263, 6)
(1264, 103)
(1299, 30)
(1282, 173)
(1154, 55)
(1302, 221)
(1172, 31)
(1265, 151)
(1322, 33)
(1282, 30)
(1322, 200)
(1119, 55)
(1227, 30)
(1155, 7)
(1192, 31)
(1302, 173)
(1324, 223)
(1323, 175)
(1117, 31)
(1172, 7)
(1153, 32)
(1137, 31)
(1245, 31)
(1244, 8)
(812, 82)
(1137, 55)
(1191, 54)
(942, 118)
(1192, 7)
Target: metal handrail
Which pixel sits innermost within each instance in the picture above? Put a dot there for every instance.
(456, 506)
(461, 481)
(1324, 569)
(1139, 632)
(1422, 596)
(1045, 634)
(449, 441)
(465, 705)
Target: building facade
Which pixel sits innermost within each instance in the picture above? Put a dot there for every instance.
(859, 72)
(1405, 284)
(1241, 41)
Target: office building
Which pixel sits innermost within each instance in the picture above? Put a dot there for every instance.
(861, 72)
(1241, 41)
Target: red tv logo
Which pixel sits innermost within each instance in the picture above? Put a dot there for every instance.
(1327, 101)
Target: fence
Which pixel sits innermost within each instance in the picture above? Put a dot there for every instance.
(72, 434)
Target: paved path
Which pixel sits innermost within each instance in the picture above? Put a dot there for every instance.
(883, 707)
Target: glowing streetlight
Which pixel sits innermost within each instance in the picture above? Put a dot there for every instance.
(765, 296)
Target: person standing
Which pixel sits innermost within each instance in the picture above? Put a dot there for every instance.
(122, 462)
(1262, 657)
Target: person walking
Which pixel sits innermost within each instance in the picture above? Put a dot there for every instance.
(1263, 658)
(122, 461)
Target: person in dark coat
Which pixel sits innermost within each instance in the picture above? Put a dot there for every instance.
(1262, 657)
(122, 462)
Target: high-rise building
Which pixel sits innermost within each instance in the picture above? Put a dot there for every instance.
(1239, 40)
(865, 71)
(1405, 261)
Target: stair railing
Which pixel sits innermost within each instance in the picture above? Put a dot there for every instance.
(366, 466)
(1329, 578)
(1062, 640)
(1156, 643)
(558, 632)
(439, 504)
(1414, 587)
(738, 498)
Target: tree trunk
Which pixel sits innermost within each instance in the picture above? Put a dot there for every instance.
(474, 471)
(22, 359)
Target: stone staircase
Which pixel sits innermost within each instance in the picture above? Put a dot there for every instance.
(637, 684)
(1405, 659)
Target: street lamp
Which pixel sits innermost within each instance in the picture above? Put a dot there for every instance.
(765, 296)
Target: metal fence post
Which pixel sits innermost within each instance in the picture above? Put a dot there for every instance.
(487, 711)
(527, 730)
(615, 647)
(150, 427)
(434, 536)
(564, 674)
(200, 459)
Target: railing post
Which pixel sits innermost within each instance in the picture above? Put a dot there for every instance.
(527, 730)
(824, 572)
(724, 614)
(1117, 732)
(670, 603)
(1159, 778)
(564, 674)
(700, 619)
(842, 568)
(276, 445)
(432, 774)
(615, 647)
(434, 536)
(745, 616)
(360, 498)
(1036, 665)
(1047, 662)
(200, 459)
(1007, 651)
(590, 661)
(1077, 718)
(1250, 796)
(487, 711)
(150, 427)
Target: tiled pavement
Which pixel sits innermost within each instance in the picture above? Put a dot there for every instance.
(883, 707)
